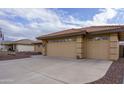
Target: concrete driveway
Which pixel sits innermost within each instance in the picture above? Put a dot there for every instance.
(48, 70)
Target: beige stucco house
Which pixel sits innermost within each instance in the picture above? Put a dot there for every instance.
(23, 45)
(98, 42)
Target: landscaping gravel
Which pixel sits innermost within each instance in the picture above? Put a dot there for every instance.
(114, 75)
(19, 55)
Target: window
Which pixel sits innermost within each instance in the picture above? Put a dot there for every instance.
(63, 40)
(102, 38)
(99, 38)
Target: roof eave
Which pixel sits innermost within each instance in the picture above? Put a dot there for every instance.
(62, 35)
(7, 43)
(107, 31)
(82, 32)
(37, 43)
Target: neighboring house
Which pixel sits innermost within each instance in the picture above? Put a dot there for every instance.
(99, 42)
(8, 45)
(23, 45)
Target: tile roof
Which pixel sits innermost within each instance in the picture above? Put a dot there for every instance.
(68, 31)
(7, 42)
(101, 28)
(89, 29)
(60, 33)
(37, 42)
(24, 41)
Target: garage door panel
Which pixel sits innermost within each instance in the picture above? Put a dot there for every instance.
(25, 48)
(97, 49)
(64, 49)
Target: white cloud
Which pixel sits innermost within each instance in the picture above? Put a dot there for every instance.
(104, 16)
(10, 26)
(34, 14)
(43, 21)
(98, 19)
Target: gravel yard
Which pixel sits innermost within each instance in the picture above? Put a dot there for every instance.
(19, 55)
(114, 75)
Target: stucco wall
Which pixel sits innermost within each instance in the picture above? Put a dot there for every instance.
(80, 46)
(38, 48)
(114, 47)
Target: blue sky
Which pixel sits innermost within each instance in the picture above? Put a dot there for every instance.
(80, 13)
(29, 23)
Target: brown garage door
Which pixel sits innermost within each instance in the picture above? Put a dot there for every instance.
(61, 49)
(97, 49)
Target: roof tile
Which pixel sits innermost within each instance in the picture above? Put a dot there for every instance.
(87, 29)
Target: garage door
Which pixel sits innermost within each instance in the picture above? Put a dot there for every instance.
(61, 49)
(27, 48)
(97, 49)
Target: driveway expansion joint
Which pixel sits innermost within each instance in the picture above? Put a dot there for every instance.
(43, 74)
